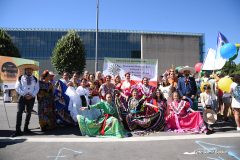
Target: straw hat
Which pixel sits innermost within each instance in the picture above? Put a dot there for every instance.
(204, 84)
(187, 68)
(51, 73)
(32, 66)
(209, 116)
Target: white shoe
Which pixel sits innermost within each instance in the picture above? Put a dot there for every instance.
(238, 128)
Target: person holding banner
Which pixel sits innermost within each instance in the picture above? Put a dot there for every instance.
(127, 84)
(145, 89)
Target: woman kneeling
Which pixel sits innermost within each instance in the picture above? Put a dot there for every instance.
(106, 125)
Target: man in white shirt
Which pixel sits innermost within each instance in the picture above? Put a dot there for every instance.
(27, 87)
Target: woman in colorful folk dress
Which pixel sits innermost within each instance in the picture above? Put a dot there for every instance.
(117, 82)
(107, 125)
(99, 79)
(46, 109)
(166, 89)
(172, 78)
(62, 101)
(181, 120)
(107, 87)
(141, 115)
(145, 89)
(159, 101)
(127, 84)
(93, 84)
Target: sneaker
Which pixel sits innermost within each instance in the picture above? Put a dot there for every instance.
(238, 128)
(17, 133)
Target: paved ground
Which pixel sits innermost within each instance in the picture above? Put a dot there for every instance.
(67, 144)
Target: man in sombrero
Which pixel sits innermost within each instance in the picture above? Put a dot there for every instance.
(187, 85)
(27, 87)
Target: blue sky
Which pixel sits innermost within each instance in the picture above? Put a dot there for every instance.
(202, 16)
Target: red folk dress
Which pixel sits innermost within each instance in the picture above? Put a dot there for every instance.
(180, 120)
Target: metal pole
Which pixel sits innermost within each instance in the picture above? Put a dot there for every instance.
(96, 49)
(6, 113)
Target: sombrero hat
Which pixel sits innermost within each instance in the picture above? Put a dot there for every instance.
(32, 66)
(187, 68)
(209, 116)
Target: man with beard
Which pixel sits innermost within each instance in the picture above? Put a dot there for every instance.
(27, 86)
(187, 85)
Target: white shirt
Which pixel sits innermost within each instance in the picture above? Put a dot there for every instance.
(23, 88)
(82, 91)
(207, 99)
(165, 90)
(235, 103)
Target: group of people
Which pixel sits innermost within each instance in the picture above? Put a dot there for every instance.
(111, 106)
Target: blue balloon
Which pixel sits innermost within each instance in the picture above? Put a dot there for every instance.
(228, 50)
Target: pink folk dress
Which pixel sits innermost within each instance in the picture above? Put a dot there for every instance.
(180, 120)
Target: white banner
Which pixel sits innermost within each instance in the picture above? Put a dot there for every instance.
(138, 68)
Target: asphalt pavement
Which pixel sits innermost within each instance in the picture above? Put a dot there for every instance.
(66, 143)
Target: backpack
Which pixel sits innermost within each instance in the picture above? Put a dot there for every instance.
(236, 93)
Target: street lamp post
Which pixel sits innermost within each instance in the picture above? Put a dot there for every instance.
(96, 49)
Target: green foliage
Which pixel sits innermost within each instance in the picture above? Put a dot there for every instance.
(231, 68)
(69, 54)
(7, 48)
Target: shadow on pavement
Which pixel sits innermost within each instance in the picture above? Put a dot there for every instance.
(224, 126)
(7, 142)
(59, 131)
(6, 133)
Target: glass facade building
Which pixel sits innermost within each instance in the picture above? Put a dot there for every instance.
(38, 44)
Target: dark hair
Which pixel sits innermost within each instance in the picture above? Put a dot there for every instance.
(83, 79)
(127, 74)
(107, 94)
(206, 86)
(134, 90)
(45, 74)
(91, 74)
(177, 93)
(66, 73)
(145, 78)
(154, 95)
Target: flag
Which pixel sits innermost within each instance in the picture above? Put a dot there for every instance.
(219, 60)
(209, 59)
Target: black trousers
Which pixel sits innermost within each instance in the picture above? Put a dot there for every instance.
(22, 103)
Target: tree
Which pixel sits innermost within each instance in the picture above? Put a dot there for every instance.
(69, 54)
(231, 68)
(7, 48)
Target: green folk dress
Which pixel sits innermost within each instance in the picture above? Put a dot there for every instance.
(107, 125)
